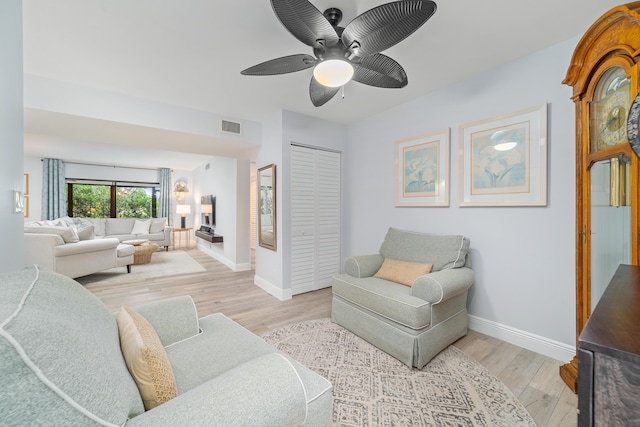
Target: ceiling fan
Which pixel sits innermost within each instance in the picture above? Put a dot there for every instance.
(352, 52)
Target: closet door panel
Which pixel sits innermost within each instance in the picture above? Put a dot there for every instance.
(315, 218)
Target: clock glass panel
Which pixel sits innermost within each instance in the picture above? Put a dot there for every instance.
(609, 110)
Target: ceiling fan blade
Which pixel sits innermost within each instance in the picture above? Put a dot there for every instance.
(286, 64)
(321, 94)
(382, 27)
(381, 71)
(305, 22)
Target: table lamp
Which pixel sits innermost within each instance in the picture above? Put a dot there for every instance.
(183, 210)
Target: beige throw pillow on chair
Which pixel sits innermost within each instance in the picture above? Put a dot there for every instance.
(402, 272)
(146, 359)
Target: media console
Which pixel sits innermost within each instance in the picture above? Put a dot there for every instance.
(209, 236)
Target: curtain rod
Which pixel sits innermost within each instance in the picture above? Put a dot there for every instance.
(108, 166)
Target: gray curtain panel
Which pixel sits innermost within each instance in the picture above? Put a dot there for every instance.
(54, 200)
(165, 195)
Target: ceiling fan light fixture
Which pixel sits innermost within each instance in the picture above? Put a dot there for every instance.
(333, 72)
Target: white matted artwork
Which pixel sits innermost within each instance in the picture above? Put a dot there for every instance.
(503, 160)
(422, 170)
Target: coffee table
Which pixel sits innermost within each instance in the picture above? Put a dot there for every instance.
(143, 251)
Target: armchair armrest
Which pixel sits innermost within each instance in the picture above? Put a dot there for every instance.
(174, 319)
(363, 265)
(263, 392)
(441, 285)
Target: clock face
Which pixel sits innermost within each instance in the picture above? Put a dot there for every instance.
(609, 109)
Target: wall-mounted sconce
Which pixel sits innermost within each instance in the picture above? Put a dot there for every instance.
(181, 189)
(18, 203)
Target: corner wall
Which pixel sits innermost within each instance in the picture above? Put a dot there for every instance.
(11, 134)
(523, 257)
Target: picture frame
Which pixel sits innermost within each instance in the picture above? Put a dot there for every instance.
(26, 184)
(422, 170)
(503, 160)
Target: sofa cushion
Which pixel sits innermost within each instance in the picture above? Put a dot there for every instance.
(141, 226)
(118, 226)
(146, 359)
(387, 299)
(157, 225)
(99, 225)
(68, 234)
(443, 251)
(402, 272)
(61, 362)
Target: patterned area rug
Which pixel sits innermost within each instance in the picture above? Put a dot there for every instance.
(371, 388)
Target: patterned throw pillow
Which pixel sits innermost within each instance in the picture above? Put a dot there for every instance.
(146, 359)
(402, 272)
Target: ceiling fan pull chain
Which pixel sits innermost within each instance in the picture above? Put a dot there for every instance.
(342, 92)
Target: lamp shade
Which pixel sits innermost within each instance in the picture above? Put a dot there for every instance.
(207, 209)
(333, 72)
(183, 209)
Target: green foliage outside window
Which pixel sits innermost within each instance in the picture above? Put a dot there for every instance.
(133, 202)
(94, 201)
(91, 201)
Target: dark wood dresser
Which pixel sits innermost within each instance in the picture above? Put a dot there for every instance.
(609, 355)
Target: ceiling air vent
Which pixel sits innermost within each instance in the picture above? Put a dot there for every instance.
(233, 128)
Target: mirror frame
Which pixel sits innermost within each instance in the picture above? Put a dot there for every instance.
(263, 174)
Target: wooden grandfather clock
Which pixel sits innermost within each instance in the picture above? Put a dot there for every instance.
(604, 76)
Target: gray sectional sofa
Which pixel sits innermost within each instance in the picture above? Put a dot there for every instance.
(62, 364)
(414, 321)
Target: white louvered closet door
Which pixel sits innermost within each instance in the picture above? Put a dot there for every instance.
(315, 218)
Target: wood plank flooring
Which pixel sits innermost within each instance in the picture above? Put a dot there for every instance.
(532, 377)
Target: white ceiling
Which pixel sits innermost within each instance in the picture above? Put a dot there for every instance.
(190, 53)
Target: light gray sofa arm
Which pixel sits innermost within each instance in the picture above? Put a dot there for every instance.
(174, 319)
(442, 285)
(263, 392)
(363, 265)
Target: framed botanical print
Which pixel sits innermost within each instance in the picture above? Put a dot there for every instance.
(503, 160)
(422, 170)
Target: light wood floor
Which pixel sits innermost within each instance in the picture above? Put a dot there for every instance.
(532, 377)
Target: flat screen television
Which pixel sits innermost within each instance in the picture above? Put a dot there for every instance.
(208, 209)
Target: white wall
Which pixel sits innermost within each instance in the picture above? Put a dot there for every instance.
(269, 264)
(523, 257)
(11, 133)
(228, 180)
(284, 129)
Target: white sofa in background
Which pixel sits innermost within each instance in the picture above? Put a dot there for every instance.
(153, 229)
(77, 247)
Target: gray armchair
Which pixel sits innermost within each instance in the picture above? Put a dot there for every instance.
(411, 323)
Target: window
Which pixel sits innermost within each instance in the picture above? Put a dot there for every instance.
(95, 199)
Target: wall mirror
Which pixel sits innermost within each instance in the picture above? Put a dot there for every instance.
(266, 184)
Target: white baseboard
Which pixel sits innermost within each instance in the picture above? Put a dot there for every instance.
(545, 346)
(245, 266)
(281, 294)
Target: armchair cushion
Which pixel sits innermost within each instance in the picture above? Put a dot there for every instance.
(443, 251)
(403, 272)
(146, 359)
(387, 299)
(174, 319)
